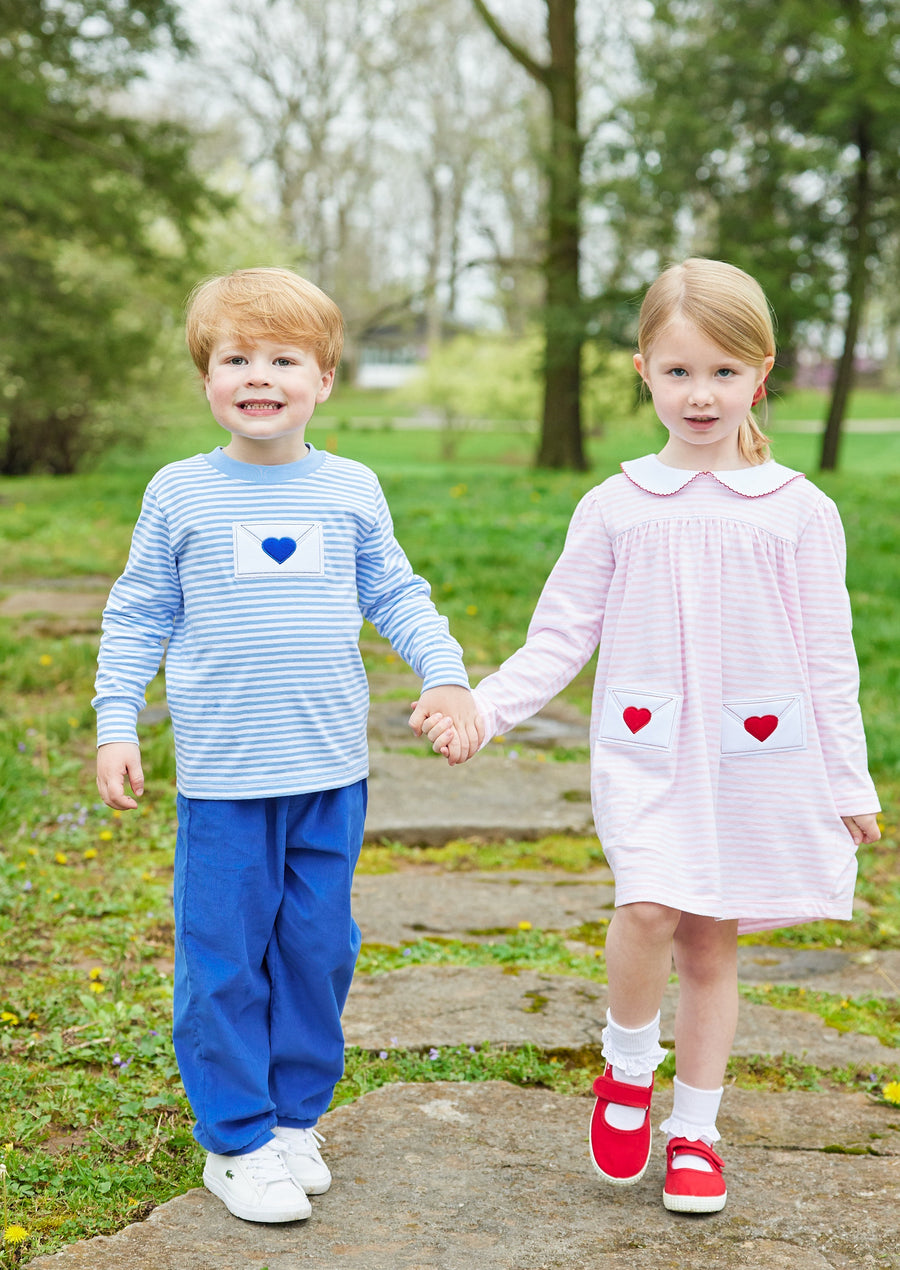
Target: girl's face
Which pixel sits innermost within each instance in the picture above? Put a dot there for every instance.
(701, 394)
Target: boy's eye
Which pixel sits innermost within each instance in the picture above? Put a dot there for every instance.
(284, 361)
(236, 360)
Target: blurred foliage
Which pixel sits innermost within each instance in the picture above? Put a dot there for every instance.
(99, 219)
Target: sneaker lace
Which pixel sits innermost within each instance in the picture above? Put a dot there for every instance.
(266, 1165)
(304, 1142)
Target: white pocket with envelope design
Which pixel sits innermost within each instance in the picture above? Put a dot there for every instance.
(265, 549)
(644, 719)
(763, 725)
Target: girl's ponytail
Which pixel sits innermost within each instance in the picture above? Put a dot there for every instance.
(753, 444)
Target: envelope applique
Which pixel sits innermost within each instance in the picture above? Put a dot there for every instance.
(645, 719)
(763, 725)
(265, 549)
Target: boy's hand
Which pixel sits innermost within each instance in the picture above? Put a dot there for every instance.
(862, 828)
(458, 704)
(116, 762)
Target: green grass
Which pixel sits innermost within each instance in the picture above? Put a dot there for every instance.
(90, 1142)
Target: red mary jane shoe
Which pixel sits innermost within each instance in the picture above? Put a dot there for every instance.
(620, 1155)
(693, 1190)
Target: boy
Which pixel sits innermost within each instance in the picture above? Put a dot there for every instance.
(255, 565)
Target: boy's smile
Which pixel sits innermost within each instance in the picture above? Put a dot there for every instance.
(264, 394)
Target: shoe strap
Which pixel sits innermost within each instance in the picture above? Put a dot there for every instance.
(705, 1152)
(627, 1095)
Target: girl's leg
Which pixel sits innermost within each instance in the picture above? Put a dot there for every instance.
(705, 1023)
(639, 959)
(706, 1019)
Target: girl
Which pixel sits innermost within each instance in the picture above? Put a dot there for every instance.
(728, 759)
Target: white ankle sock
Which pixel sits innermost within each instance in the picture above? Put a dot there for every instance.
(693, 1116)
(633, 1054)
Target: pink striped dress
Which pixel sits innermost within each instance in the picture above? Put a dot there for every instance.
(726, 736)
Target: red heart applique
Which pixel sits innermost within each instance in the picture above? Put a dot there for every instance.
(636, 717)
(761, 726)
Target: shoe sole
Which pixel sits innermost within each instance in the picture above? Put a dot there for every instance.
(694, 1203)
(619, 1181)
(253, 1214)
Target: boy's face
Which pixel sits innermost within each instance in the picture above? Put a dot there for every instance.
(264, 394)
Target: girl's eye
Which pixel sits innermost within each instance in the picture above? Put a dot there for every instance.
(678, 372)
(725, 371)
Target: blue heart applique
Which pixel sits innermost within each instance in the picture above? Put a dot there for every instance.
(279, 549)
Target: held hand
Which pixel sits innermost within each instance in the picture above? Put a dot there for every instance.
(458, 706)
(862, 828)
(117, 762)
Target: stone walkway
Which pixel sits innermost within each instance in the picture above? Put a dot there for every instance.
(451, 1176)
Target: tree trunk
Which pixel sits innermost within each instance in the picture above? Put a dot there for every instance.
(857, 286)
(561, 443)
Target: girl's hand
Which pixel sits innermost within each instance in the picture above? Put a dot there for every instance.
(862, 828)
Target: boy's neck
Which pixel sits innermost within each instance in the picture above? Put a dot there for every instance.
(276, 453)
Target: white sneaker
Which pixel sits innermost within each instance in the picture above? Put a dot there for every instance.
(300, 1151)
(256, 1186)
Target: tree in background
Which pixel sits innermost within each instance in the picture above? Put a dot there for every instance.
(96, 216)
(768, 133)
(561, 443)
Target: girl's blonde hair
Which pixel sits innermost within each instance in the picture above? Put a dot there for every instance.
(263, 304)
(729, 308)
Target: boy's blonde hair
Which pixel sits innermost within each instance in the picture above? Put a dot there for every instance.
(729, 308)
(263, 304)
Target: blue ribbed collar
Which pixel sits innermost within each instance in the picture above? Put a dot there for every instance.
(262, 473)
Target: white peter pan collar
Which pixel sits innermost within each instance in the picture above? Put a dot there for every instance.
(654, 476)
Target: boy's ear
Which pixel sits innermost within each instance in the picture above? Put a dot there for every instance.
(325, 386)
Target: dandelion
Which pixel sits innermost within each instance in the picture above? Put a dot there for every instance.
(524, 925)
(891, 1092)
(45, 659)
(7, 1016)
(457, 491)
(471, 609)
(61, 857)
(105, 835)
(97, 987)
(95, 973)
(146, 877)
(15, 1235)
(90, 854)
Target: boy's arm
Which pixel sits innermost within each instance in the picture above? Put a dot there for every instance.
(137, 621)
(455, 706)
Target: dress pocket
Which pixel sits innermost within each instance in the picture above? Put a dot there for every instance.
(763, 725)
(644, 719)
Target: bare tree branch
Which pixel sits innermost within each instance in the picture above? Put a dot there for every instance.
(536, 70)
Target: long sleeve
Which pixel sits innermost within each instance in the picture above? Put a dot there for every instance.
(831, 658)
(398, 604)
(564, 630)
(137, 621)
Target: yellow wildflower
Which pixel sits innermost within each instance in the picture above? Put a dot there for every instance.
(105, 835)
(45, 659)
(891, 1092)
(471, 609)
(97, 987)
(61, 857)
(524, 925)
(95, 973)
(90, 854)
(7, 1016)
(15, 1235)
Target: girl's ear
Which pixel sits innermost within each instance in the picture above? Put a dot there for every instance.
(639, 366)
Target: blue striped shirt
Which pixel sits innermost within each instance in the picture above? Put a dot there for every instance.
(255, 581)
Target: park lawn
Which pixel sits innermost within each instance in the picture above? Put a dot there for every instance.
(94, 1129)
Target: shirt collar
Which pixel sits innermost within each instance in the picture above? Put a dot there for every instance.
(652, 475)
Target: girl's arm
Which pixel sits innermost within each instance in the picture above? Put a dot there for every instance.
(564, 630)
(833, 669)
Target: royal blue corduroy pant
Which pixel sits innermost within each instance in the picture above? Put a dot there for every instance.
(265, 946)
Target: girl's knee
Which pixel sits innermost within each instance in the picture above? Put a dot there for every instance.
(649, 921)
